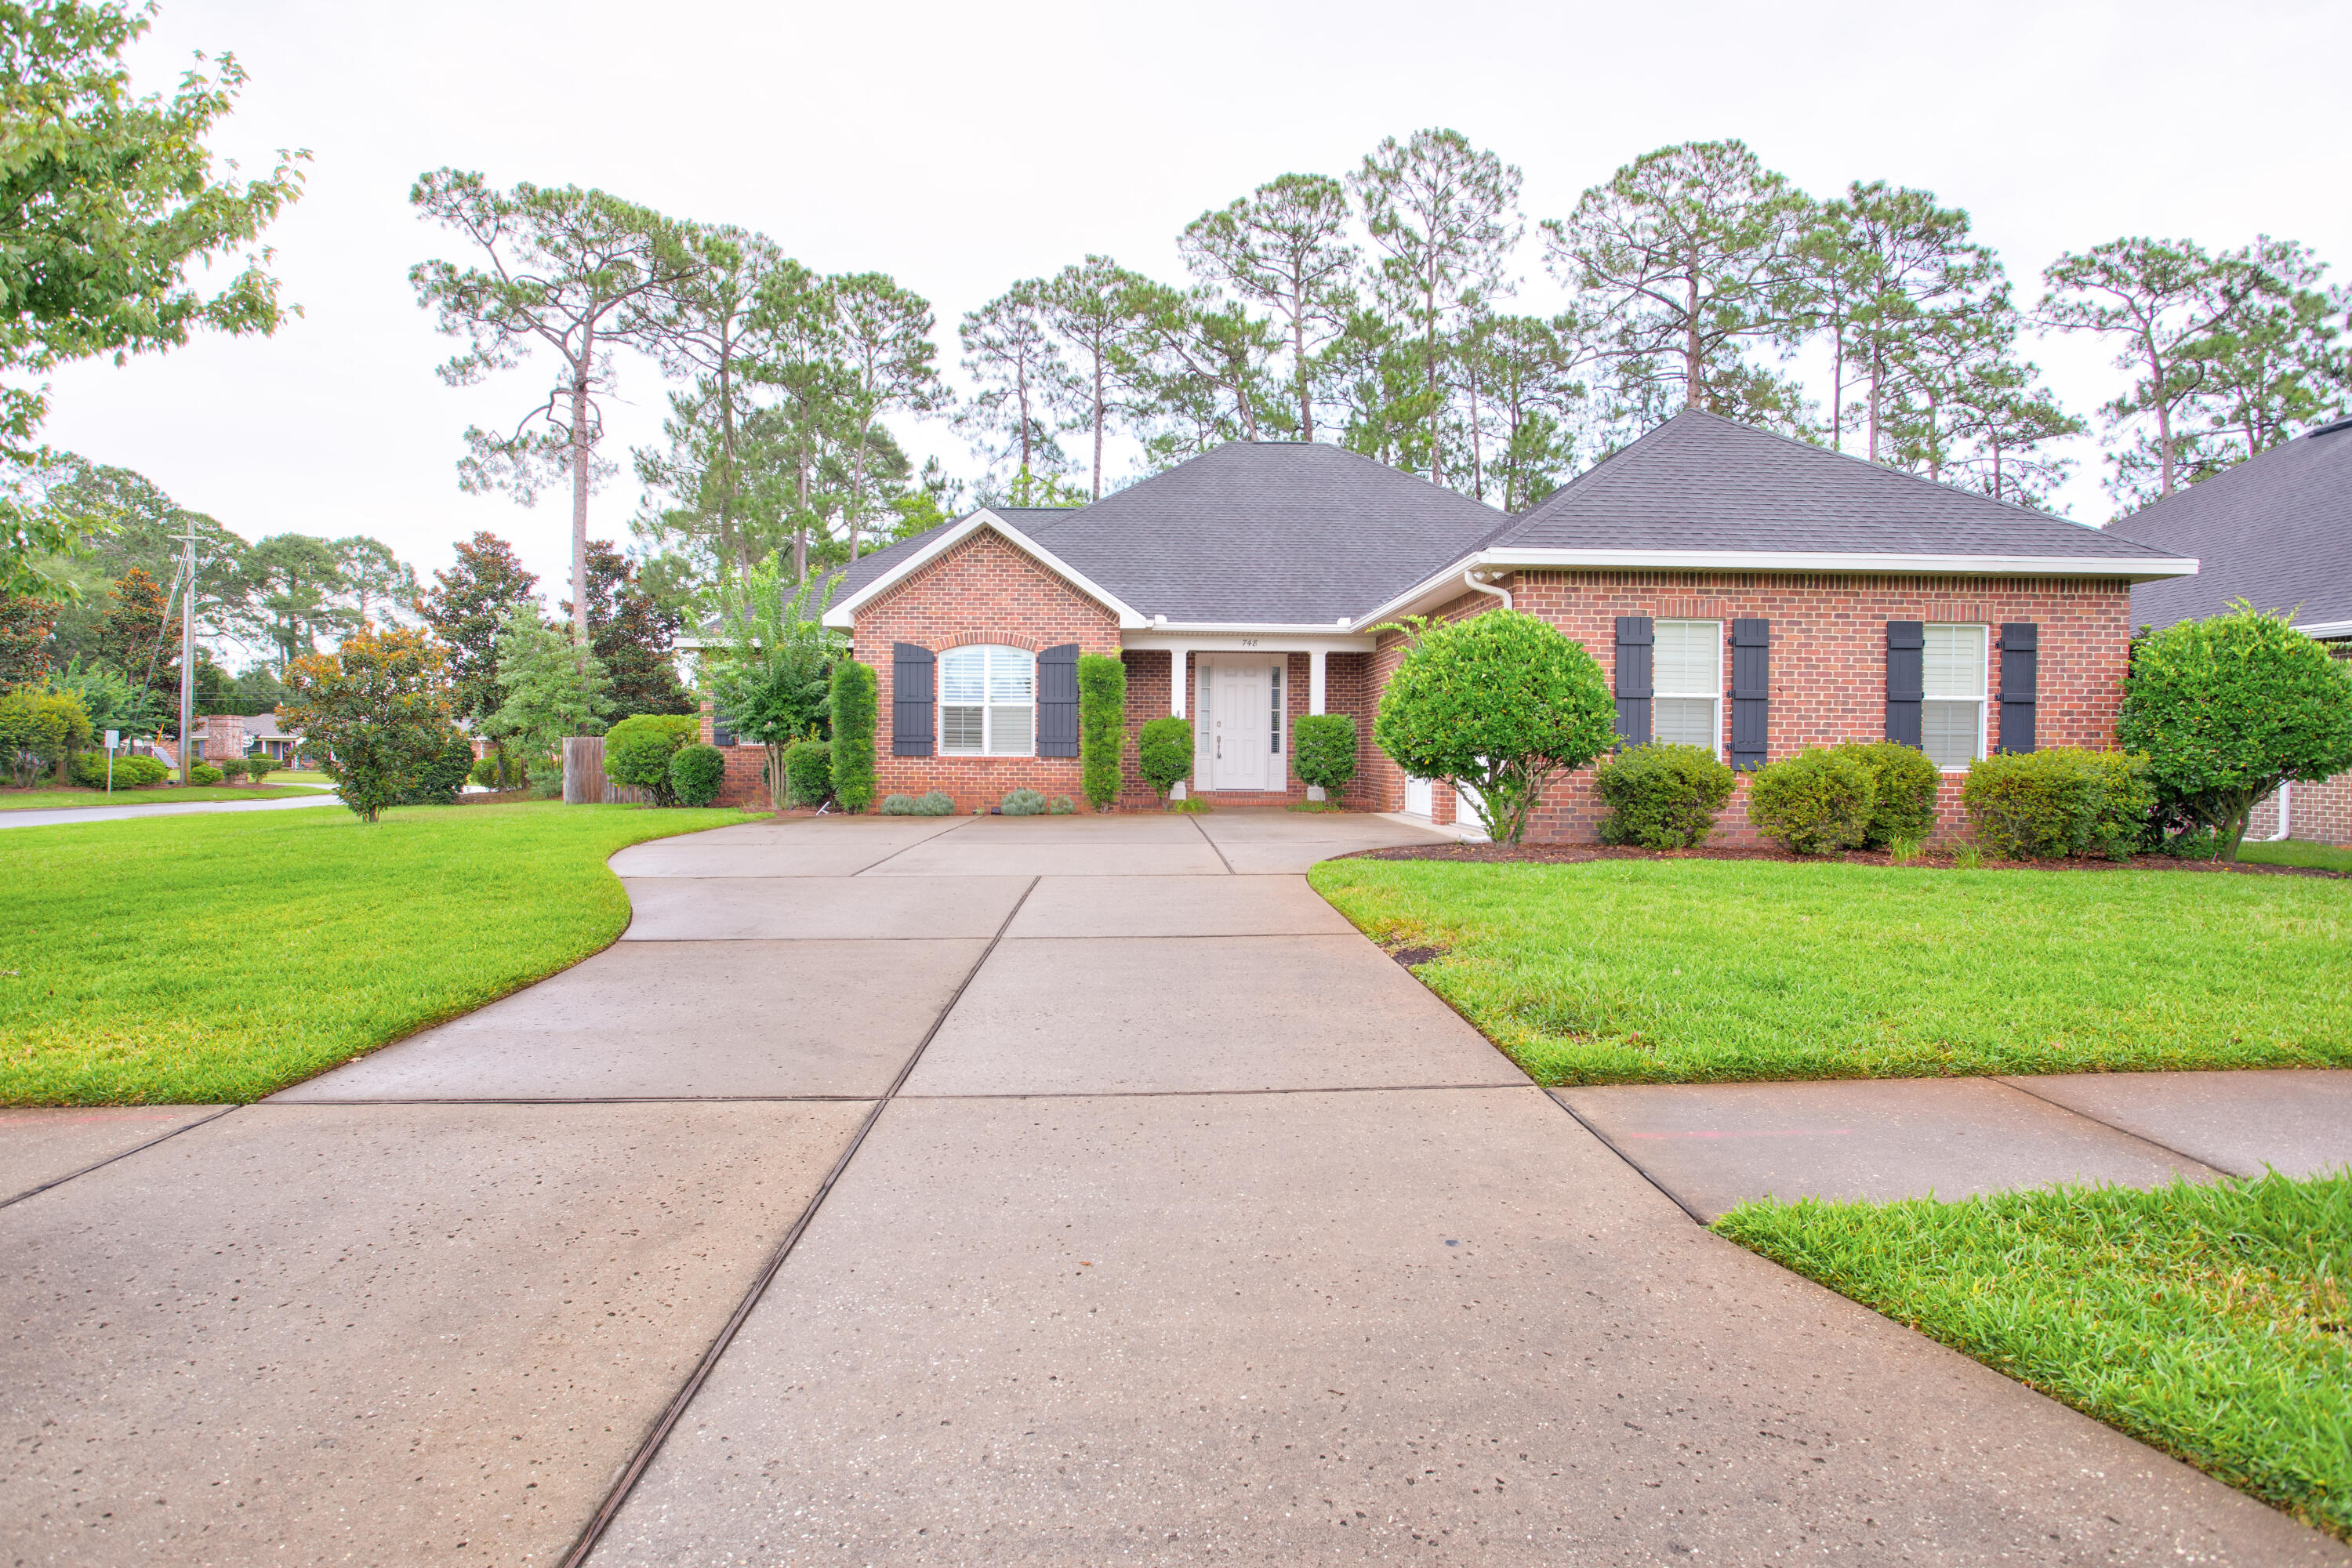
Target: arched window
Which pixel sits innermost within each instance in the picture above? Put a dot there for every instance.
(988, 698)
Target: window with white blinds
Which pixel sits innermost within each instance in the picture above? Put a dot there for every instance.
(1952, 692)
(988, 699)
(1686, 682)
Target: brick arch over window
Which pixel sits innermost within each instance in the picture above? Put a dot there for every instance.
(998, 638)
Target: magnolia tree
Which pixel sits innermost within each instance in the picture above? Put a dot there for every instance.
(1497, 706)
(2229, 708)
(770, 679)
(377, 713)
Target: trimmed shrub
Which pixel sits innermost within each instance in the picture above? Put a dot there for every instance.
(853, 735)
(1813, 802)
(1024, 803)
(488, 772)
(443, 773)
(1323, 752)
(1163, 753)
(898, 806)
(232, 768)
(932, 803)
(637, 752)
(1061, 806)
(205, 773)
(1102, 727)
(89, 770)
(1662, 797)
(695, 773)
(808, 772)
(2048, 804)
(1906, 781)
(260, 765)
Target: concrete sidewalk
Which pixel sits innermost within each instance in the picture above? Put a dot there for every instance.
(32, 817)
(1066, 1190)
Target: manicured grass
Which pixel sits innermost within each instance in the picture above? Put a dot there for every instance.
(210, 958)
(2211, 1322)
(60, 799)
(2288, 852)
(1684, 971)
(301, 775)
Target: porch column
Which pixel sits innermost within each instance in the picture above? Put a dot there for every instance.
(1314, 700)
(1176, 657)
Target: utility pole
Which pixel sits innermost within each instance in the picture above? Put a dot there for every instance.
(188, 657)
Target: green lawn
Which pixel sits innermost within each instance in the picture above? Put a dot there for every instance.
(2288, 852)
(55, 798)
(2211, 1322)
(222, 957)
(1681, 971)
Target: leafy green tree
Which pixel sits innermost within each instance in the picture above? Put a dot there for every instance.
(1526, 402)
(2159, 302)
(1011, 353)
(464, 608)
(375, 584)
(1964, 408)
(1102, 726)
(123, 521)
(294, 587)
(631, 635)
(138, 639)
(572, 272)
(2229, 708)
(885, 332)
(554, 688)
(110, 204)
(40, 728)
(2274, 364)
(1098, 309)
(1200, 371)
(1446, 214)
(1285, 249)
(1498, 705)
(26, 622)
(1374, 372)
(769, 681)
(1691, 253)
(378, 713)
(799, 363)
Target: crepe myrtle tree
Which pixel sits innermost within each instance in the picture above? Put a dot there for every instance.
(1496, 706)
(2227, 709)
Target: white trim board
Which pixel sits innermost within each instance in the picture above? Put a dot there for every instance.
(843, 614)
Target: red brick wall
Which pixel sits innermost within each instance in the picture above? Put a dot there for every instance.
(1828, 660)
(2315, 814)
(983, 591)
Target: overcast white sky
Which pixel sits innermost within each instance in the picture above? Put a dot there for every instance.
(960, 147)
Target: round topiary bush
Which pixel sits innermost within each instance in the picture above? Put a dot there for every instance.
(808, 773)
(1662, 797)
(637, 752)
(1323, 752)
(695, 773)
(205, 773)
(1906, 781)
(1061, 806)
(1024, 803)
(2048, 805)
(1163, 753)
(1814, 802)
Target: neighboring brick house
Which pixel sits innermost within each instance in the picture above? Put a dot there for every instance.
(1742, 591)
(2275, 530)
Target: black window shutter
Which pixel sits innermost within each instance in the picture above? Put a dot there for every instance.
(1635, 672)
(721, 732)
(1751, 680)
(913, 677)
(1057, 701)
(1907, 678)
(2020, 654)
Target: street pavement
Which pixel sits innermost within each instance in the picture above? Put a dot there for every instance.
(1063, 1190)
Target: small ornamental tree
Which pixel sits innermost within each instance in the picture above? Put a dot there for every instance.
(554, 688)
(38, 730)
(768, 683)
(1163, 754)
(2227, 709)
(1102, 726)
(853, 735)
(1498, 705)
(1323, 747)
(377, 713)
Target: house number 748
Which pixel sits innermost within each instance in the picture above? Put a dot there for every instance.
(1249, 642)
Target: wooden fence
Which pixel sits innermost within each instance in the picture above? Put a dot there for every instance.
(584, 782)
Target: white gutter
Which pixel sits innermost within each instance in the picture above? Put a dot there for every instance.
(2324, 630)
(2287, 800)
(1470, 579)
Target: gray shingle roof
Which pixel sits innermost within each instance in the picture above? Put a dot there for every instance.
(2277, 529)
(865, 568)
(1700, 483)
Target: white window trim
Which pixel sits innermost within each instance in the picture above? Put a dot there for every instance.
(1984, 691)
(940, 707)
(1657, 691)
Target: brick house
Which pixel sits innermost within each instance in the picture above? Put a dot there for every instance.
(2276, 530)
(1743, 591)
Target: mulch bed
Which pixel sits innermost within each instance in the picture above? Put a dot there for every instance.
(1577, 853)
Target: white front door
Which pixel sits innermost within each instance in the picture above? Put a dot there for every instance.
(1416, 798)
(1240, 728)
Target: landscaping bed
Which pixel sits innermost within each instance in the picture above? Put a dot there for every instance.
(2315, 859)
(222, 957)
(1647, 968)
(2211, 1322)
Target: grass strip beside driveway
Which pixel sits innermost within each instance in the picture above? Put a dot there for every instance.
(2294, 852)
(220, 958)
(2211, 1322)
(70, 797)
(1699, 971)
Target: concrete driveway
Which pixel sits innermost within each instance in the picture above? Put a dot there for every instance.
(1059, 1190)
